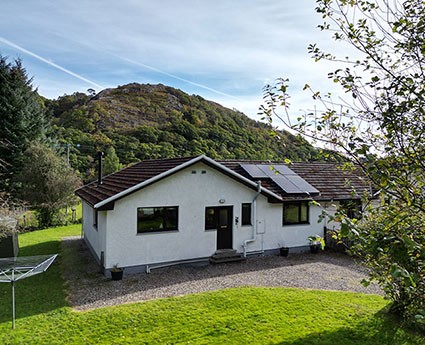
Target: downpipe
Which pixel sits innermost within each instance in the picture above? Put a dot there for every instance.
(254, 219)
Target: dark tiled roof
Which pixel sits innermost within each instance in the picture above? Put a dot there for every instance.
(124, 179)
(328, 178)
(332, 182)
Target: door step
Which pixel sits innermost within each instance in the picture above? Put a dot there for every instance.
(226, 255)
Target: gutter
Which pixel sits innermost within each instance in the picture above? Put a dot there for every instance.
(254, 219)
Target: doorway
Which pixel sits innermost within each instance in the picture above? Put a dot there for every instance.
(221, 219)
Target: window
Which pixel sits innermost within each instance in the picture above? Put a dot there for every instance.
(211, 215)
(95, 218)
(246, 214)
(150, 219)
(218, 217)
(295, 213)
(352, 208)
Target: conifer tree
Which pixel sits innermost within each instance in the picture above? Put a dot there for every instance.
(22, 119)
(111, 162)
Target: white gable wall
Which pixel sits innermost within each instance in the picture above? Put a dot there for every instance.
(95, 236)
(192, 193)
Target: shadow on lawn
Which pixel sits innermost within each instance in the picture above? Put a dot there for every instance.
(382, 328)
(87, 286)
(43, 248)
(37, 294)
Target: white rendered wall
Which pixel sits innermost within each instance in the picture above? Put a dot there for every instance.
(192, 193)
(277, 235)
(331, 207)
(94, 235)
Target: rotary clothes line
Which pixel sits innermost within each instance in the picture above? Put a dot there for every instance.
(18, 268)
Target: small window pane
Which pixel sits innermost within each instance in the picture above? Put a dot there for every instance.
(295, 213)
(246, 214)
(157, 219)
(223, 217)
(304, 213)
(353, 208)
(95, 218)
(170, 218)
(210, 218)
(291, 214)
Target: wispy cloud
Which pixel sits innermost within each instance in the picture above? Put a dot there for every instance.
(50, 63)
(221, 50)
(177, 77)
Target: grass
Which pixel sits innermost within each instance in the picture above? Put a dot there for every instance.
(233, 316)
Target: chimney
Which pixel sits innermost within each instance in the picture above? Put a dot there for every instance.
(99, 168)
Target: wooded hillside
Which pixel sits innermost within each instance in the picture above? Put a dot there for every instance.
(143, 121)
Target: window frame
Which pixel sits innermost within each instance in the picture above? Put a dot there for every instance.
(95, 218)
(299, 205)
(353, 208)
(215, 216)
(164, 219)
(243, 219)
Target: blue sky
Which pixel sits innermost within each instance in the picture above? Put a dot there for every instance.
(225, 51)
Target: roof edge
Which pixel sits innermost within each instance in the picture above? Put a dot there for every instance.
(147, 182)
(240, 177)
(181, 167)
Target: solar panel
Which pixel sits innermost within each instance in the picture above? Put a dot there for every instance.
(254, 171)
(286, 184)
(283, 176)
(280, 170)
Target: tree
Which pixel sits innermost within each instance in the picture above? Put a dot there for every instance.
(22, 118)
(111, 163)
(379, 128)
(48, 182)
(10, 212)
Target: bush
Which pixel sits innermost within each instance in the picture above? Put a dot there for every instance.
(391, 241)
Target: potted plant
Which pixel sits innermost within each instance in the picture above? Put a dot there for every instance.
(116, 272)
(284, 251)
(316, 243)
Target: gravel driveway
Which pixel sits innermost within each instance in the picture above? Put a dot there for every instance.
(88, 289)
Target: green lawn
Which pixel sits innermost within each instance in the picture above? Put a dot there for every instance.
(233, 316)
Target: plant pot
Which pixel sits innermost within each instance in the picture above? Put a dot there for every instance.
(314, 248)
(284, 251)
(117, 275)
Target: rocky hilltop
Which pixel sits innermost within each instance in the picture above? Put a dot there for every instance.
(143, 121)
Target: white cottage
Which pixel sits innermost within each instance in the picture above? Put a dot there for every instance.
(169, 211)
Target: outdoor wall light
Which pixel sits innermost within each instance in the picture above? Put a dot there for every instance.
(222, 201)
(236, 220)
